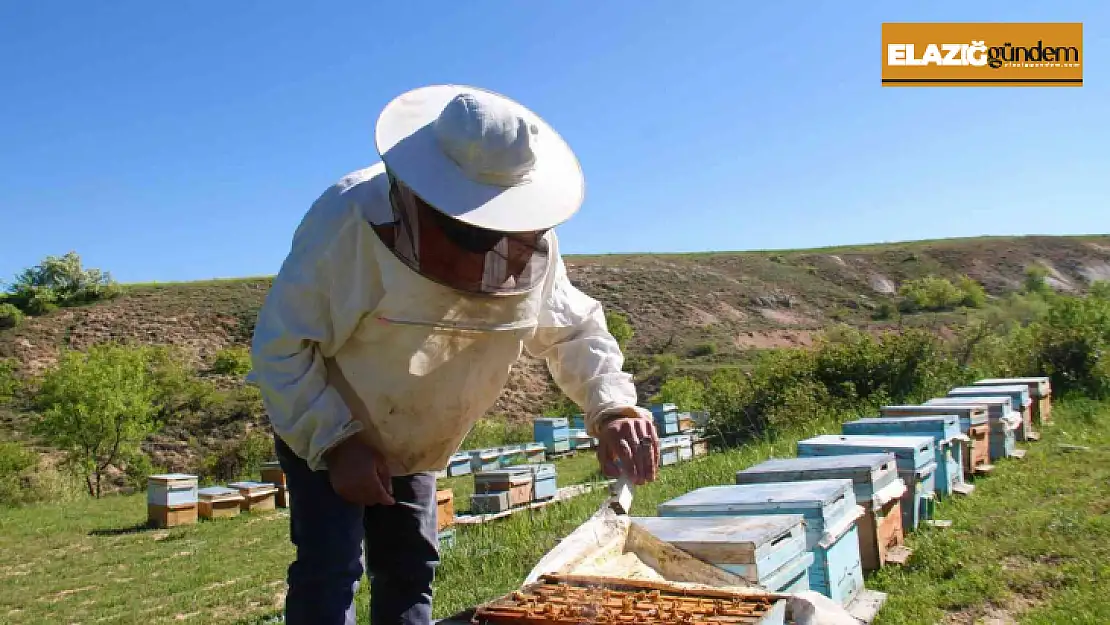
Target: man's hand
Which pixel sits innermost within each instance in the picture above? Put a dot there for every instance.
(358, 475)
(632, 440)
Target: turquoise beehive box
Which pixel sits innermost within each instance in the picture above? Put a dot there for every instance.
(543, 482)
(1021, 402)
(553, 432)
(1003, 423)
(830, 512)
(875, 482)
(766, 550)
(945, 430)
(916, 459)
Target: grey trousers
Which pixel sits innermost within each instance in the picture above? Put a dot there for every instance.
(400, 557)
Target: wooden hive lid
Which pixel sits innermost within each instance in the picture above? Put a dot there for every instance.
(219, 493)
(173, 479)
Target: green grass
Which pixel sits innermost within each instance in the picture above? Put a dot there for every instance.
(1033, 541)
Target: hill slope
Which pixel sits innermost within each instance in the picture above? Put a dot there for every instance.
(735, 301)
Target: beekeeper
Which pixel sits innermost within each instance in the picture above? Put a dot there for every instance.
(410, 290)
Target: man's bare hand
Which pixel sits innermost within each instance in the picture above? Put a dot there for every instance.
(358, 475)
(633, 442)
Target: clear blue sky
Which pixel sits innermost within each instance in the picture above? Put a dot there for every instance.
(184, 140)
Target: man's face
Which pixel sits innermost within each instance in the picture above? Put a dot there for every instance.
(462, 256)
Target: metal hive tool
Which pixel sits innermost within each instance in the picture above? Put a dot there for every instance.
(565, 600)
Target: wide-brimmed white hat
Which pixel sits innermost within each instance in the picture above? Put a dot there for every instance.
(480, 157)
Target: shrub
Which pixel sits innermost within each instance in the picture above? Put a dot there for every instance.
(1036, 280)
(885, 310)
(665, 365)
(238, 458)
(24, 480)
(930, 293)
(1071, 345)
(10, 316)
(59, 281)
(684, 392)
(9, 383)
(498, 431)
(619, 327)
(975, 296)
(703, 349)
(232, 361)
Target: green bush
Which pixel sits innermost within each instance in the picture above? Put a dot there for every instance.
(703, 349)
(9, 383)
(930, 293)
(885, 310)
(665, 365)
(10, 316)
(238, 458)
(24, 480)
(685, 392)
(497, 431)
(974, 295)
(619, 327)
(1072, 345)
(233, 360)
(59, 281)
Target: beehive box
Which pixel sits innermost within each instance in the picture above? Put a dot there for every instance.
(512, 455)
(257, 496)
(578, 421)
(489, 503)
(445, 509)
(516, 482)
(219, 502)
(973, 424)
(485, 460)
(699, 445)
(543, 482)
(171, 499)
(945, 430)
(579, 439)
(875, 483)
(668, 451)
(685, 444)
(553, 433)
(535, 453)
(666, 418)
(272, 473)
(1003, 422)
(1020, 402)
(1040, 391)
(686, 422)
(830, 511)
(756, 548)
(458, 464)
(914, 455)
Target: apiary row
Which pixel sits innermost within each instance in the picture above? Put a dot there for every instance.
(176, 499)
(844, 505)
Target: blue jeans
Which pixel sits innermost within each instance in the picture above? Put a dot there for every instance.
(401, 549)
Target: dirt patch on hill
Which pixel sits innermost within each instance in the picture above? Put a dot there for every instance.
(771, 339)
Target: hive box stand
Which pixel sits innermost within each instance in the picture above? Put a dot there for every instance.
(1040, 391)
(1019, 400)
(257, 496)
(915, 457)
(219, 502)
(877, 488)
(1003, 441)
(445, 509)
(973, 424)
(171, 499)
(769, 551)
(949, 449)
(830, 512)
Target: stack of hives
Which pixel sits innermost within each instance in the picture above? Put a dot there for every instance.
(856, 493)
(554, 434)
(499, 490)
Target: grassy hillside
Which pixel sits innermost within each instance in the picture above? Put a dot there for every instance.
(702, 310)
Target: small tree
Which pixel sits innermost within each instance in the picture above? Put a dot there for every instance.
(684, 392)
(10, 316)
(1036, 280)
(619, 327)
(98, 406)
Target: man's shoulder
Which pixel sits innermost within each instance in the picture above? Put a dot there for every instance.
(366, 188)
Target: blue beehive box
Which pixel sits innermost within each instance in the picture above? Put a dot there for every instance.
(553, 433)
(485, 460)
(666, 418)
(578, 422)
(1021, 402)
(830, 512)
(875, 483)
(916, 461)
(543, 482)
(685, 444)
(1003, 422)
(458, 464)
(945, 430)
(764, 550)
